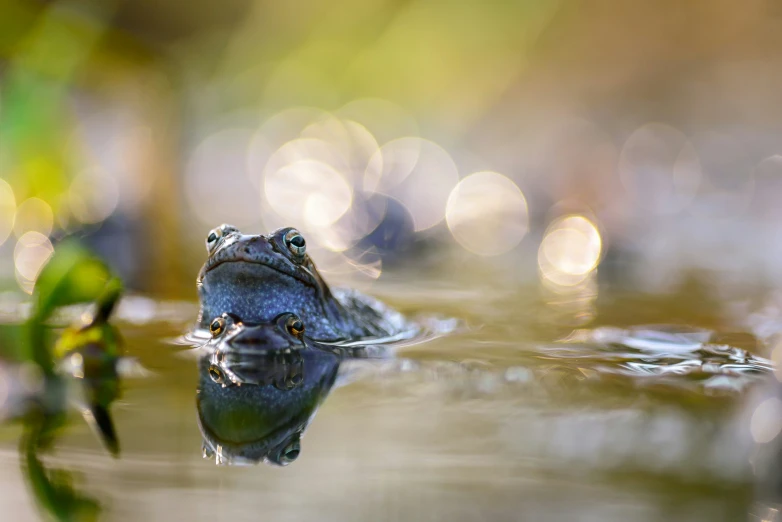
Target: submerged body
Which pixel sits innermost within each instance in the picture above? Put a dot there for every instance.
(259, 277)
(259, 388)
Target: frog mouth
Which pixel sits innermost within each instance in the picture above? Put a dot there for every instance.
(260, 340)
(249, 268)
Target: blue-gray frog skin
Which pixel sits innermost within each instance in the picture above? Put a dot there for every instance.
(259, 387)
(259, 277)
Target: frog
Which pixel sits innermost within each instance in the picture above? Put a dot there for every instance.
(259, 277)
(259, 387)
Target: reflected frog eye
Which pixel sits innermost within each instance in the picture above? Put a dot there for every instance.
(217, 326)
(295, 326)
(295, 243)
(216, 374)
(290, 453)
(295, 380)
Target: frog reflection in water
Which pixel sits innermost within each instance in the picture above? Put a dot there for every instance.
(259, 277)
(259, 387)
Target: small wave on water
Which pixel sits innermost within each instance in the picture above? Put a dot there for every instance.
(663, 351)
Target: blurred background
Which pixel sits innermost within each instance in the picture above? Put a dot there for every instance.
(543, 137)
(538, 169)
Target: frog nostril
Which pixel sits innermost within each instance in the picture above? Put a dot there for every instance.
(246, 250)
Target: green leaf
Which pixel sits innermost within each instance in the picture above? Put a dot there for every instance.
(73, 275)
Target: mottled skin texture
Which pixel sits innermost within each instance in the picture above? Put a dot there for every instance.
(259, 277)
(259, 387)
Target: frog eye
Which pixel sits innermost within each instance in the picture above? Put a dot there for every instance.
(216, 374)
(294, 380)
(212, 240)
(295, 243)
(217, 326)
(216, 234)
(290, 453)
(295, 326)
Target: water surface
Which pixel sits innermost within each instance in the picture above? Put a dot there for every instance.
(540, 405)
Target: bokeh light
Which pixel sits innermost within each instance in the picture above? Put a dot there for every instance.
(93, 196)
(30, 254)
(308, 191)
(304, 149)
(353, 143)
(766, 421)
(7, 210)
(135, 127)
(326, 174)
(311, 180)
(416, 172)
(487, 213)
(33, 215)
(273, 134)
(570, 250)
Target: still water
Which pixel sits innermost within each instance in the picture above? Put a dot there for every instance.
(523, 403)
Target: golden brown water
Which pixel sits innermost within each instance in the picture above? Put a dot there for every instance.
(533, 409)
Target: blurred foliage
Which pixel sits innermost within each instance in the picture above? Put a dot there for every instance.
(97, 331)
(71, 276)
(52, 488)
(36, 90)
(447, 63)
(74, 275)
